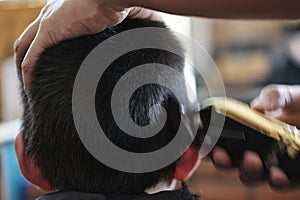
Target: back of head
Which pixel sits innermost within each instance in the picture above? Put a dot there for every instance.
(49, 134)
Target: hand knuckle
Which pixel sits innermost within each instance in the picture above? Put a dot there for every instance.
(270, 89)
(27, 66)
(45, 21)
(45, 9)
(17, 46)
(49, 31)
(95, 15)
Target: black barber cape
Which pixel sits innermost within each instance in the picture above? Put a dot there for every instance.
(165, 195)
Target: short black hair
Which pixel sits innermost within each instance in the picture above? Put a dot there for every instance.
(49, 134)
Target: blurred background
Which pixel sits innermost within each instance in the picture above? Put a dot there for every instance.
(249, 55)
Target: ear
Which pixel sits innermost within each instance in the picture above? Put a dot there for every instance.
(27, 166)
(187, 164)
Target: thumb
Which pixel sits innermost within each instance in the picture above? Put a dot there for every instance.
(271, 98)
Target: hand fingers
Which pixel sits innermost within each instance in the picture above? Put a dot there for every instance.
(46, 37)
(251, 171)
(23, 42)
(270, 98)
(290, 118)
(91, 25)
(143, 13)
(278, 179)
(220, 158)
(37, 46)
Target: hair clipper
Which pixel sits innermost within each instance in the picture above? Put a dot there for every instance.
(277, 143)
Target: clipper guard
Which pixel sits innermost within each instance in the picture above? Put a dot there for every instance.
(277, 143)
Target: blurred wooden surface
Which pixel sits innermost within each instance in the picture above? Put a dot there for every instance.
(15, 15)
(244, 68)
(227, 32)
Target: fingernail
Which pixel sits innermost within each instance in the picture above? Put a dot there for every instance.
(26, 91)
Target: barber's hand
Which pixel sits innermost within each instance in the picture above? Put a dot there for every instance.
(282, 102)
(251, 169)
(65, 19)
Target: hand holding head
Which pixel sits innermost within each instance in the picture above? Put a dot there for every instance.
(65, 19)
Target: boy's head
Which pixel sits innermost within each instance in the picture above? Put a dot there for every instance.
(49, 150)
